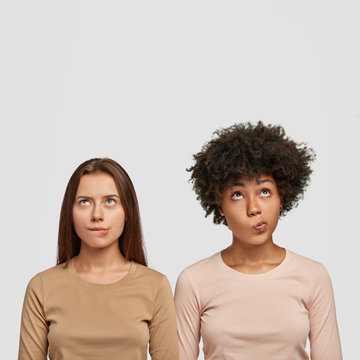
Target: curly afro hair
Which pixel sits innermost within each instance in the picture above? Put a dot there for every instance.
(247, 150)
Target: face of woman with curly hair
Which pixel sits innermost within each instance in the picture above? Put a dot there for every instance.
(251, 208)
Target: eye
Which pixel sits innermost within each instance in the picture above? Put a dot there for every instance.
(110, 202)
(236, 195)
(84, 202)
(265, 193)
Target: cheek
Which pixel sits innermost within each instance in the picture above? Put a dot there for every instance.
(118, 222)
(78, 218)
(273, 215)
(78, 225)
(75, 217)
(234, 219)
(118, 218)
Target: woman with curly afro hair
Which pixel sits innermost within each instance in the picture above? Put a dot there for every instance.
(254, 300)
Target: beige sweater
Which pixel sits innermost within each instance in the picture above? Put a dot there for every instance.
(69, 318)
(257, 316)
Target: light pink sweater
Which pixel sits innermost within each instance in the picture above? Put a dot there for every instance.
(265, 316)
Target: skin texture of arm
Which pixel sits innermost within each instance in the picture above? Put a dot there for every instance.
(162, 327)
(34, 327)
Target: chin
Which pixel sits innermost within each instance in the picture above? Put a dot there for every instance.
(98, 244)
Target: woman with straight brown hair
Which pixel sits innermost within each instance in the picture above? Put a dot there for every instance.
(101, 301)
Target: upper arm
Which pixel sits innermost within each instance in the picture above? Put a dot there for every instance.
(162, 327)
(188, 315)
(34, 328)
(324, 335)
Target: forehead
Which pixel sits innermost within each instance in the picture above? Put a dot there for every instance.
(99, 182)
(251, 181)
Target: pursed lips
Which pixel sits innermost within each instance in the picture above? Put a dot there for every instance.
(260, 226)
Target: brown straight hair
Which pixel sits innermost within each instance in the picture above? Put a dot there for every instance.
(131, 239)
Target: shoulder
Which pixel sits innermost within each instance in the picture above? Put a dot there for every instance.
(54, 274)
(52, 278)
(304, 264)
(147, 272)
(312, 272)
(49, 274)
(149, 277)
(152, 284)
(45, 279)
(315, 278)
(194, 279)
(198, 272)
(54, 271)
(202, 266)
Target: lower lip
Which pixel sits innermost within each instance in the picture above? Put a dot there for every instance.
(261, 227)
(102, 232)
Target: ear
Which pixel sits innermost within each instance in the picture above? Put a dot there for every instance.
(220, 210)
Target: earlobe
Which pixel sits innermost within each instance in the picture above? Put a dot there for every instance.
(220, 211)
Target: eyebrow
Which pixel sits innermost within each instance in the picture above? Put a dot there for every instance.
(89, 197)
(258, 182)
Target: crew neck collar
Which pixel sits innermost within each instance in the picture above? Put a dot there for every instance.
(93, 285)
(269, 273)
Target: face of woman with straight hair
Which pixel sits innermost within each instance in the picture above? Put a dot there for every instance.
(98, 215)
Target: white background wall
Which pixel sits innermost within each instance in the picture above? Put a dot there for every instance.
(146, 83)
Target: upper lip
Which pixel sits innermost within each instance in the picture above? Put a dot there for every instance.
(97, 228)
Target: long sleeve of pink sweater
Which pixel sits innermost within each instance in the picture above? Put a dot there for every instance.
(257, 316)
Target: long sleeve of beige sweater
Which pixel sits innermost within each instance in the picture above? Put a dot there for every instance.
(257, 316)
(67, 318)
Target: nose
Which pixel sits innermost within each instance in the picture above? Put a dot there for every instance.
(97, 213)
(253, 208)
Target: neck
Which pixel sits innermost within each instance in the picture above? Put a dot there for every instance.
(246, 254)
(100, 260)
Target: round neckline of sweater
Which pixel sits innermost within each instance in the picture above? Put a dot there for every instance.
(271, 272)
(101, 286)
